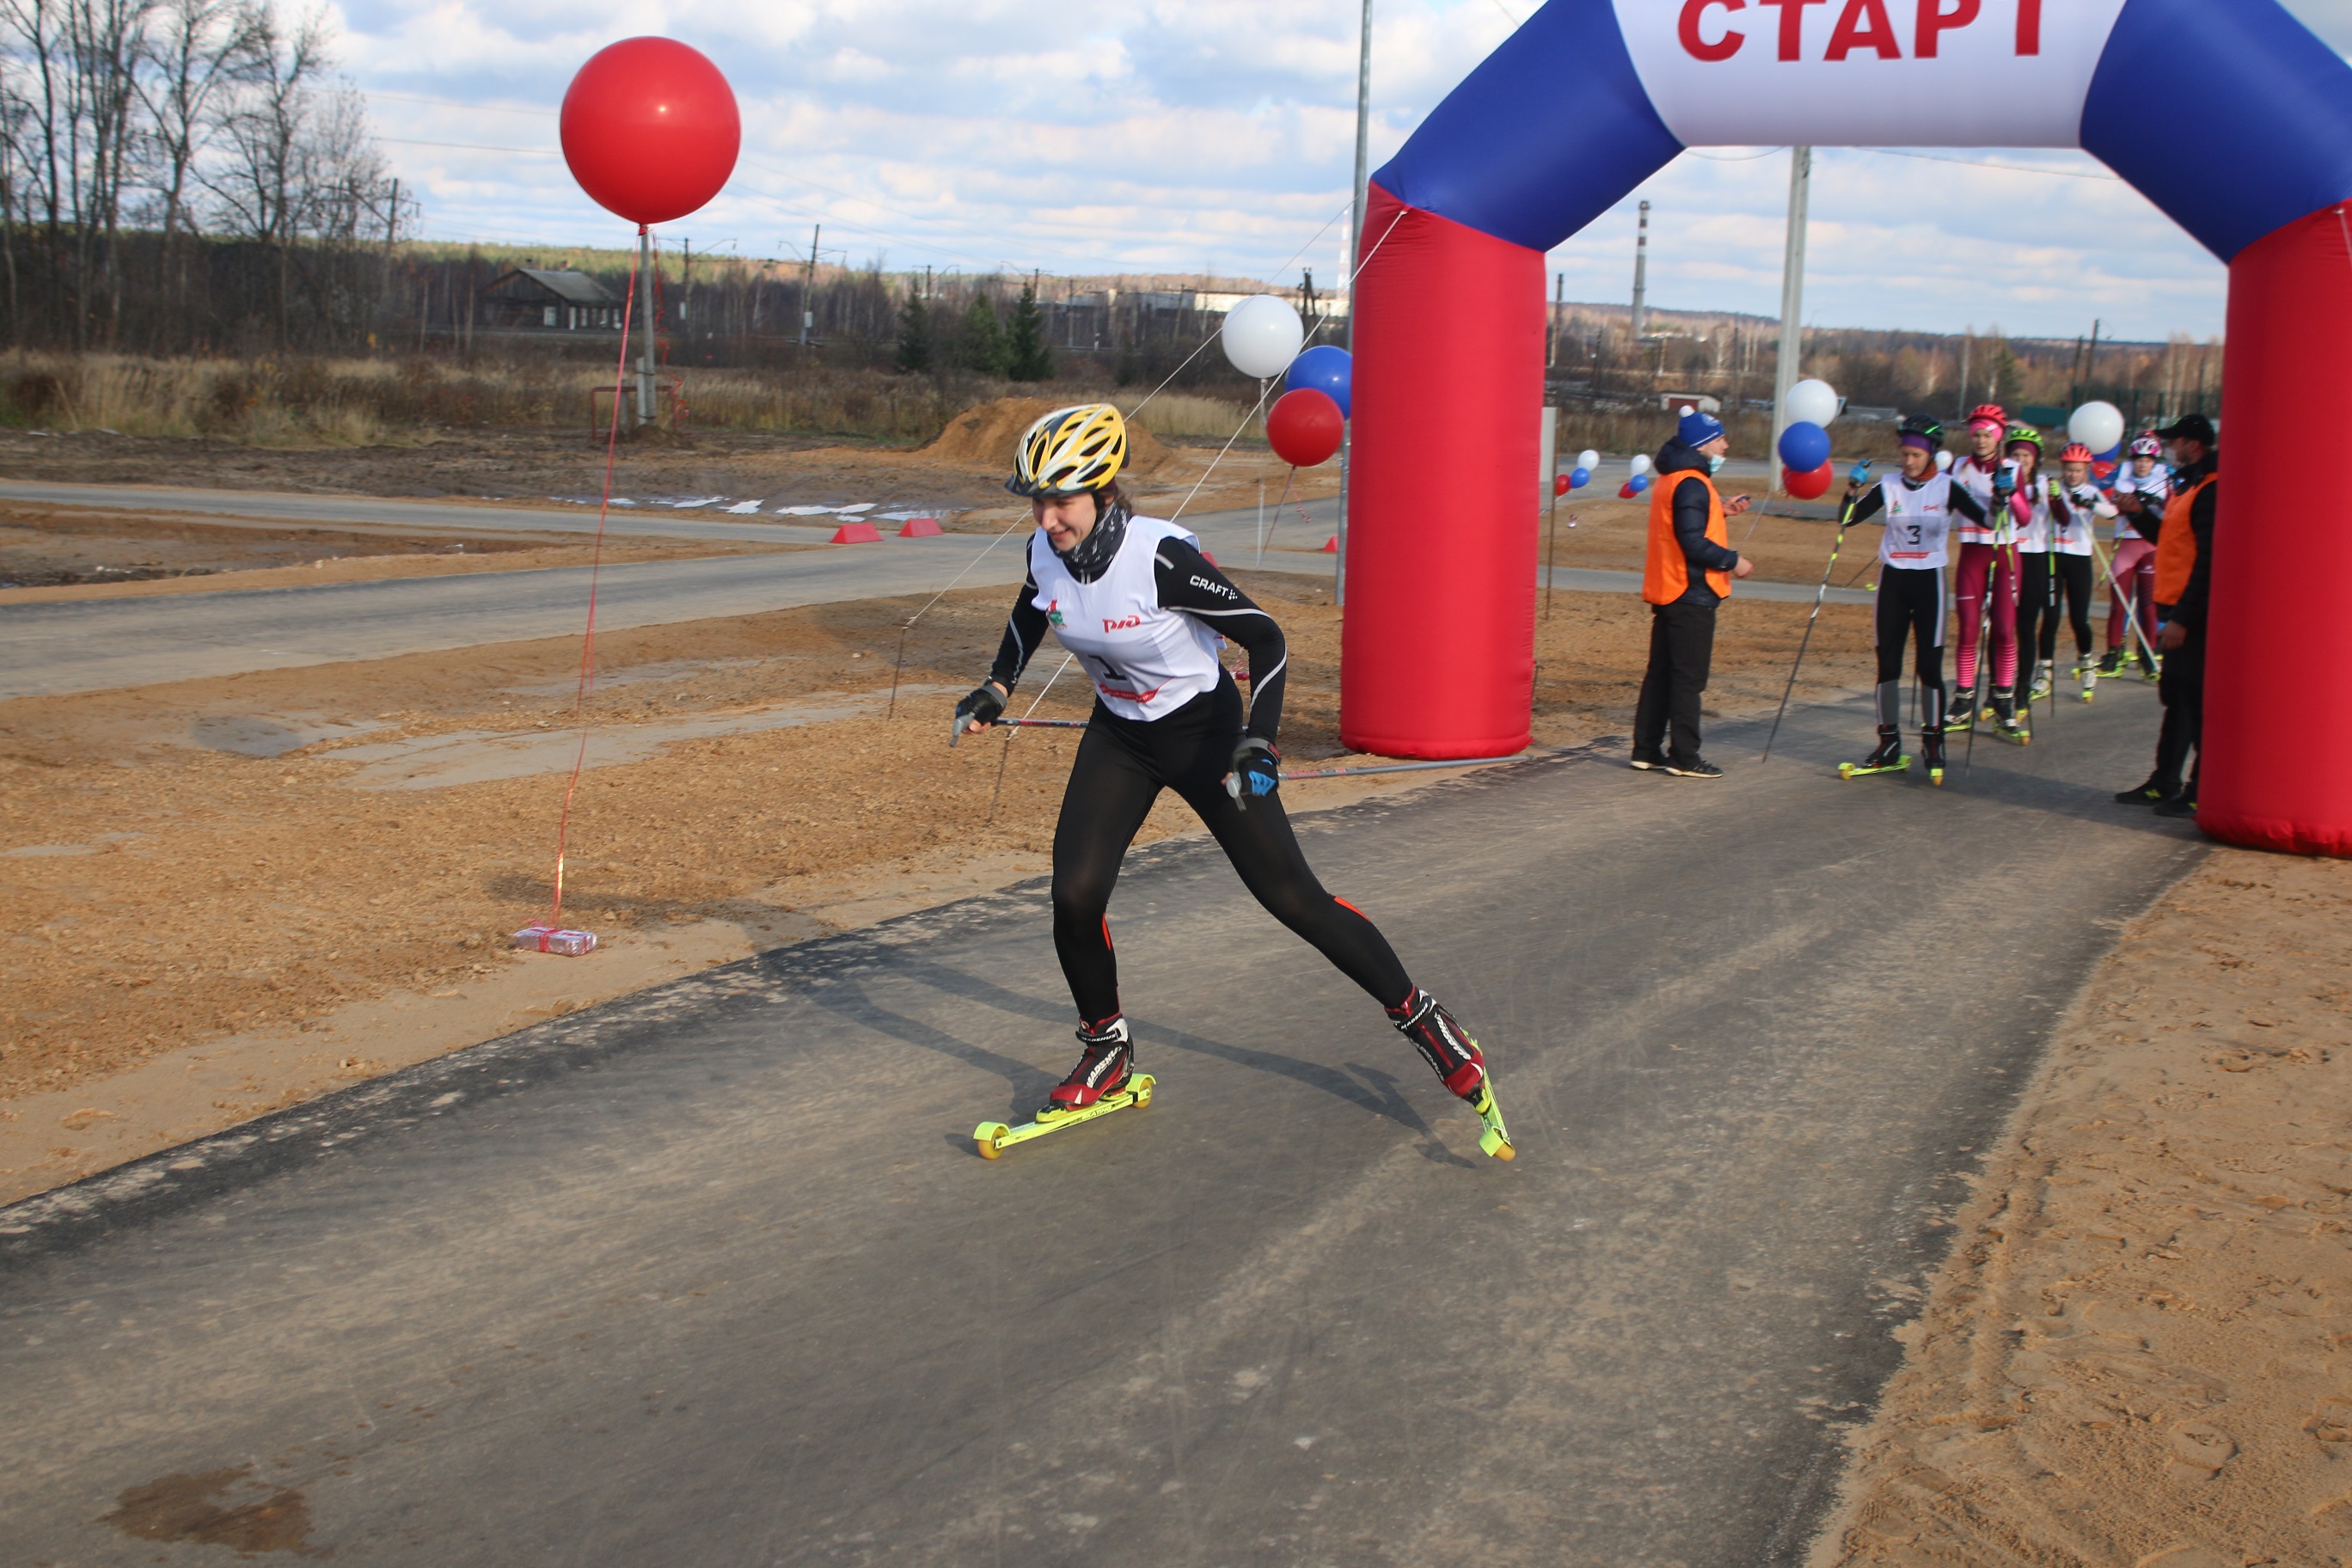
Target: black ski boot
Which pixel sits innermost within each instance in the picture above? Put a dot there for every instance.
(2112, 665)
(1103, 1068)
(2007, 723)
(1887, 759)
(1931, 755)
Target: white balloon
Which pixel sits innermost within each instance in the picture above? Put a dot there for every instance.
(1813, 403)
(1589, 460)
(1262, 335)
(1641, 465)
(1943, 462)
(2098, 425)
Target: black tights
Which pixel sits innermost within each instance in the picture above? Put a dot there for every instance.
(2048, 580)
(1911, 609)
(1122, 765)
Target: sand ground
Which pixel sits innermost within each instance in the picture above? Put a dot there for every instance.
(2140, 1351)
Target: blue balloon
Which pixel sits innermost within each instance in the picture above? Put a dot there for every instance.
(1326, 369)
(1804, 446)
(1640, 483)
(1578, 478)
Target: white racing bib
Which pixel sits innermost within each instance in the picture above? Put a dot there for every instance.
(1917, 521)
(1144, 661)
(1977, 480)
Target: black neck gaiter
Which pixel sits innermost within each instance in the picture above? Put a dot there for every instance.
(1091, 556)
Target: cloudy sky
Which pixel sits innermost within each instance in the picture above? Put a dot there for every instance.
(1218, 135)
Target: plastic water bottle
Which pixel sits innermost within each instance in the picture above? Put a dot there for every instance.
(540, 937)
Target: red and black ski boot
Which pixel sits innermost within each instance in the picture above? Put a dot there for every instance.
(1108, 1058)
(1442, 1043)
(1447, 1047)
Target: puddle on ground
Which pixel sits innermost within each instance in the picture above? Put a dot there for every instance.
(251, 736)
(485, 756)
(197, 1508)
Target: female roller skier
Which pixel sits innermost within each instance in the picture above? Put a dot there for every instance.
(2142, 493)
(1987, 563)
(1135, 602)
(1919, 505)
(2058, 572)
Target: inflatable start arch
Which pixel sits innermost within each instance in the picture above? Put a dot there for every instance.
(2227, 114)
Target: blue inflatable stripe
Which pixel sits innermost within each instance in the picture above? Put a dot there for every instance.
(2228, 114)
(1545, 136)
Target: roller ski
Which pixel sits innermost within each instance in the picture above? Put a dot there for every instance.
(1104, 1080)
(1454, 1056)
(2008, 723)
(1931, 756)
(1888, 759)
(2086, 676)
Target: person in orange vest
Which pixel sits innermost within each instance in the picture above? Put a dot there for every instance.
(2184, 556)
(1688, 572)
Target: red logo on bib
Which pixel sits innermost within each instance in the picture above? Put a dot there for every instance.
(1111, 626)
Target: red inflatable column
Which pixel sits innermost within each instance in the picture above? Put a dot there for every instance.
(1438, 651)
(2278, 677)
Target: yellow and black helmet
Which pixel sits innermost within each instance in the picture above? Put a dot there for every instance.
(1070, 451)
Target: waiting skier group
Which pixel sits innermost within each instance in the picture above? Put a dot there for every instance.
(2019, 543)
(1994, 546)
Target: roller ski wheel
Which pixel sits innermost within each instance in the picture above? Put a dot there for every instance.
(2086, 677)
(2015, 734)
(993, 1137)
(1931, 755)
(1496, 1139)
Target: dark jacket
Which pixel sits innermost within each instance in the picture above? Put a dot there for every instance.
(1702, 553)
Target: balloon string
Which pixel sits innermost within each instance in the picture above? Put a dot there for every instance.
(595, 564)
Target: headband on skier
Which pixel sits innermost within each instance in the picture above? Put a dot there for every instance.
(1921, 430)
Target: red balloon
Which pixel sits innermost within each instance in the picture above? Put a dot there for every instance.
(1807, 487)
(1626, 491)
(1304, 426)
(650, 129)
(1560, 484)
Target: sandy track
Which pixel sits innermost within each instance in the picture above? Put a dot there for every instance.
(2137, 1354)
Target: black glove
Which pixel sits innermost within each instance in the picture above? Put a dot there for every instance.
(980, 708)
(1257, 771)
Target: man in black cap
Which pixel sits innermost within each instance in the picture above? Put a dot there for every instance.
(2184, 562)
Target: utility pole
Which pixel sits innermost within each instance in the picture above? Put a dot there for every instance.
(1355, 266)
(1967, 342)
(1792, 290)
(1641, 269)
(390, 232)
(2091, 365)
(645, 319)
(686, 289)
(808, 288)
(1558, 299)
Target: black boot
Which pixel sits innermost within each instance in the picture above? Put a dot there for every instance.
(1931, 755)
(1887, 759)
(2156, 789)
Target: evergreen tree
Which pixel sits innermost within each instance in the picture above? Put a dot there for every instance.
(915, 333)
(1028, 357)
(984, 348)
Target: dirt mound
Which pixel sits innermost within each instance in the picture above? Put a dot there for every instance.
(986, 434)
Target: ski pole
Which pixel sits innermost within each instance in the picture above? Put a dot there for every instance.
(1854, 477)
(2000, 493)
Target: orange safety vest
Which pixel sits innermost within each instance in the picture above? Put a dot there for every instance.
(2175, 544)
(1666, 574)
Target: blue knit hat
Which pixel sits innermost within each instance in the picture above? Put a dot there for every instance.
(1698, 429)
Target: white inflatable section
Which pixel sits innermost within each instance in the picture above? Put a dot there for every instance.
(1848, 73)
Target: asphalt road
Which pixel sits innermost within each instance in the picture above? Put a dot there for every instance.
(712, 1276)
(66, 646)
